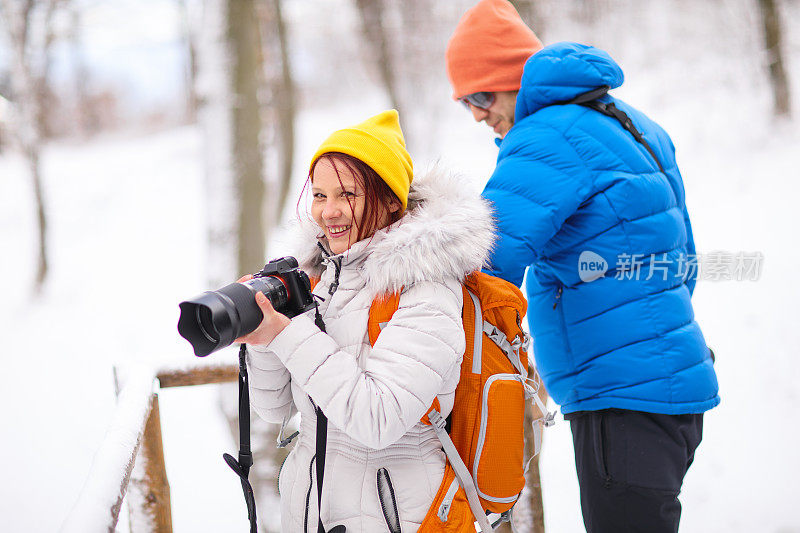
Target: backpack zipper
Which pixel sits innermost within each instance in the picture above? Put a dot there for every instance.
(482, 432)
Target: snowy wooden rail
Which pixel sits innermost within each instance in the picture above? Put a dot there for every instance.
(132, 456)
(130, 459)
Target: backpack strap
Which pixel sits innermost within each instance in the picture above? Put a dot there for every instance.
(462, 473)
(477, 342)
(591, 100)
(434, 407)
(380, 312)
(546, 420)
(511, 349)
(588, 96)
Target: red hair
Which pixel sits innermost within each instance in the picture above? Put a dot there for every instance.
(377, 195)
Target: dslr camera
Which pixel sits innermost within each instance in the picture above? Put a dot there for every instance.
(214, 319)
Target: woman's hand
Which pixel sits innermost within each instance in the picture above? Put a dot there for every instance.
(272, 324)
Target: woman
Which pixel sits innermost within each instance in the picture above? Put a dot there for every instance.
(377, 234)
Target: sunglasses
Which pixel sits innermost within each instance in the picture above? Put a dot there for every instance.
(481, 100)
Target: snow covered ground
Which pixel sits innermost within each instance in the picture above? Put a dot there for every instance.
(126, 242)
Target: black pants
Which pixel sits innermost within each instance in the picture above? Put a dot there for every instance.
(631, 467)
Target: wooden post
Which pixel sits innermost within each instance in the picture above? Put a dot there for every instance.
(198, 376)
(149, 498)
(532, 479)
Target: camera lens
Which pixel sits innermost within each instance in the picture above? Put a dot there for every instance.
(205, 323)
(215, 319)
(272, 287)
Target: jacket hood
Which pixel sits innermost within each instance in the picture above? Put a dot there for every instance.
(447, 232)
(561, 72)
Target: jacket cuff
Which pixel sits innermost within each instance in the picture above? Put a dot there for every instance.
(259, 348)
(304, 349)
(298, 332)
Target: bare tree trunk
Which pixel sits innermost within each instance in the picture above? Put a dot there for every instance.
(531, 15)
(286, 104)
(279, 108)
(86, 121)
(42, 77)
(41, 107)
(773, 43)
(589, 10)
(191, 67)
(32, 155)
(373, 19)
(422, 51)
(244, 40)
(30, 65)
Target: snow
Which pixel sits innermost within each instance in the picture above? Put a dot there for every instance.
(114, 461)
(127, 243)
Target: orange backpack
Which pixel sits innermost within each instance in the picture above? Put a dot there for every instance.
(485, 445)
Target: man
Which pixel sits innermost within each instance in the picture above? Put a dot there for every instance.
(605, 237)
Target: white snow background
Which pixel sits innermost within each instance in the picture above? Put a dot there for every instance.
(127, 238)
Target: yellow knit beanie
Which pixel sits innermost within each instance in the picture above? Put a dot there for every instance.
(378, 142)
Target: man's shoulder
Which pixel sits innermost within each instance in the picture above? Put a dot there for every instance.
(543, 134)
(575, 131)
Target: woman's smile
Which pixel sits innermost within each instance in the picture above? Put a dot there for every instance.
(336, 232)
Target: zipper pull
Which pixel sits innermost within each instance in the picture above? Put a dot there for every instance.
(337, 265)
(558, 295)
(388, 501)
(447, 502)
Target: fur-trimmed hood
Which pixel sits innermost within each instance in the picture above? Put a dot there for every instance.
(446, 232)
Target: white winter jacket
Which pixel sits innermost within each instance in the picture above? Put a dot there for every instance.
(374, 397)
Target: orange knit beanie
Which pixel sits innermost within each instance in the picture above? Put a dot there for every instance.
(488, 49)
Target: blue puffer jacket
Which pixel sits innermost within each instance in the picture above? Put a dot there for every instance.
(575, 194)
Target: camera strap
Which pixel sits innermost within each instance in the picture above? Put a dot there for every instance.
(242, 466)
(321, 445)
(245, 461)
